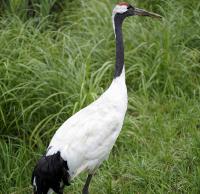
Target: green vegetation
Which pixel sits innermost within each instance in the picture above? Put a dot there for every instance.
(52, 66)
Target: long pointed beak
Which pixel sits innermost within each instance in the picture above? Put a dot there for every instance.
(141, 12)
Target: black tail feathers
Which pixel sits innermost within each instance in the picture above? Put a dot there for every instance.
(50, 172)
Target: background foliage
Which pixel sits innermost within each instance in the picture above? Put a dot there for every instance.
(57, 56)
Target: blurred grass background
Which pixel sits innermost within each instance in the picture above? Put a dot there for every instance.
(57, 56)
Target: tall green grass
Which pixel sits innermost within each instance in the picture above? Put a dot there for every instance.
(26, 9)
(49, 70)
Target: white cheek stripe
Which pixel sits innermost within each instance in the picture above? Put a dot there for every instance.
(113, 22)
(120, 9)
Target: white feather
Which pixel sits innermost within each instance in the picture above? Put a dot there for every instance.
(86, 138)
(120, 9)
(50, 191)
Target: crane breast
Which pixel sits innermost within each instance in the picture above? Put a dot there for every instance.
(87, 137)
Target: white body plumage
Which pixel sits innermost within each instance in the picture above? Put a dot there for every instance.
(86, 138)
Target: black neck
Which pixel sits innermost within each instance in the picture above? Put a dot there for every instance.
(119, 46)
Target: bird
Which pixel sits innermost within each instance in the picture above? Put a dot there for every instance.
(86, 139)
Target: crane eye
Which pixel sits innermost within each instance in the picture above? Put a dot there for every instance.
(130, 7)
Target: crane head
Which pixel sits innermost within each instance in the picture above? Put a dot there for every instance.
(125, 9)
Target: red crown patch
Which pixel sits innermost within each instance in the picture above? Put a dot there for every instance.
(123, 3)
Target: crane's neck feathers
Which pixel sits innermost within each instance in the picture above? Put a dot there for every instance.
(117, 26)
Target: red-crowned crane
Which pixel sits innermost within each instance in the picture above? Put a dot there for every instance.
(85, 140)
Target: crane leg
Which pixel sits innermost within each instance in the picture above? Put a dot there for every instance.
(87, 183)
